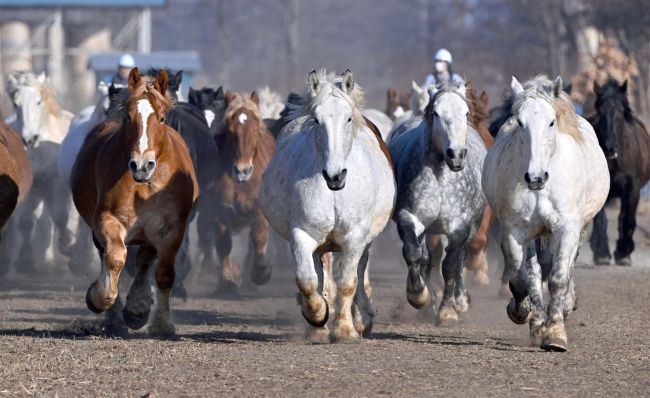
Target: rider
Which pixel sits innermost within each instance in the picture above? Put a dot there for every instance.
(124, 66)
(442, 72)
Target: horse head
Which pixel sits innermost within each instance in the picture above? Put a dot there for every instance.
(147, 107)
(28, 95)
(243, 133)
(335, 115)
(212, 103)
(613, 109)
(446, 115)
(541, 110)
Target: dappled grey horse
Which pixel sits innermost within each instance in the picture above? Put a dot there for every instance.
(438, 167)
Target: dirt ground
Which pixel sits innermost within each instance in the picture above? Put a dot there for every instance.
(254, 346)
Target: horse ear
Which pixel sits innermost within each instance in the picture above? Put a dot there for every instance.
(415, 87)
(313, 82)
(41, 77)
(162, 81)
(557, 86)
(134, 79)
(568, 88)
(255, 98)
(228, 97)
(219, 94)
(348, 81)
(191, 96)
(111, 90)
(623, 88)
(516, 87)
(178, 78)
(463, 89)
(484, 98)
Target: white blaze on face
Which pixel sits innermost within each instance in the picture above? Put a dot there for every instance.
(209, 116)
(145, 110)
(242, 118)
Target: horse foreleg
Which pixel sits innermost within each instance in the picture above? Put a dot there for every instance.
(59, 209)
(82, 257)
(103, 292)
(598, 241)
(346, 287)
(534, 274)
(259, 235)
(362, 310)
(165, 275)
(327, 288)
(229, 273)
(206, 241)
(455, 298)
(415, 253)
(514, 247)
(562, 299)
(313, 305)
(477, 261)
(26, 258)
(627, 225)
(139, 299)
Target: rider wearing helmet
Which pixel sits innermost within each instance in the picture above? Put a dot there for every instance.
(442, 72)
(124, 66)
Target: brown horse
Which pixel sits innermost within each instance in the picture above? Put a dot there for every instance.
(133, 183)
(245, 149)
(479, 118)
(15, 180)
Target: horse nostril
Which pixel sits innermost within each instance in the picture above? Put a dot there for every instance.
(527, 177)
(151, 164)
(133, 166)
(463, 153)
(545, 176)
(451, 153)
(342, 174)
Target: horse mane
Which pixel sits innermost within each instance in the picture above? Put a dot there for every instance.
(118, 111)
(541, 87)
(477, 110)
(611, 89)
(242, 101)
(270, 103)
(330, 83)
(444, 88)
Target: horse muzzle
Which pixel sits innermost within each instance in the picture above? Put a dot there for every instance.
(242, 174)
(142, 170)
(536, 183)
(337, 181)
(455, 159)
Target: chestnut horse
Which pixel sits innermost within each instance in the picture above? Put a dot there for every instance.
(133, 183)
(245, 149)
(15, 180)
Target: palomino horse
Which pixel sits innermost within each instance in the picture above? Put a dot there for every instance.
(143, 197)
(15, 181)
(546, 178)
(438, 166)
(245, 149)
(626, 143)
(42, 125)
(330, 188)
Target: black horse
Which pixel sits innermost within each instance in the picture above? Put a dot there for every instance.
(626, 144)
(212, 105)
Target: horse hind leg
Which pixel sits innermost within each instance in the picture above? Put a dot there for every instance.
(598, 240)
(59, 210)
(82, 259)
(344, 329)
(362, 311)
(259, 234)
(139, 299)
(455, 299)
(626, 226)
(183, 268)
(478, 250)
(165, 275)
(229, 273)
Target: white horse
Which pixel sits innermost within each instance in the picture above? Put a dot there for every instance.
(42, 125)
(546, 178)
(270, 103)
(379, 119)
(330, 188)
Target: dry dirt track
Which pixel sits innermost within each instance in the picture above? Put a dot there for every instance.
(254, 346)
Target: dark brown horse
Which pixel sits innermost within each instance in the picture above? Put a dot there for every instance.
(626, 144)
(245, 149)
(133, 183)
(15, 180)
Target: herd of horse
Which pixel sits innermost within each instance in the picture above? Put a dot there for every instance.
(327, 175)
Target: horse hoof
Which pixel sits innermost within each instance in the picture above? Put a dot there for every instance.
(624, 261)
(519, 314)
(556, 344)
(89, 302)
(602, 260)
(345, 335)
(418, 300)
(180, 292)
(261, 274)
(227, 289)
(317, 335)
(162, 328)
(135, 320)
(315, 322)
(447, 316)
(481, 278)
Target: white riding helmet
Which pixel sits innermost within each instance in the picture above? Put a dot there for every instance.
(126, 61)
(443, 55)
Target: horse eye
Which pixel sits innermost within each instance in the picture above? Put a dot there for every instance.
(435, 114)
(552, 124)
(467, 114)
(38, 103)
(520, 123)
(316, 121)
(349, 120)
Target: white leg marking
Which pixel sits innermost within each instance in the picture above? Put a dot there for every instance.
(145, 109)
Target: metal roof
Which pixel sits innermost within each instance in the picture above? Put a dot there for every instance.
(187, 61)
(82, 3)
